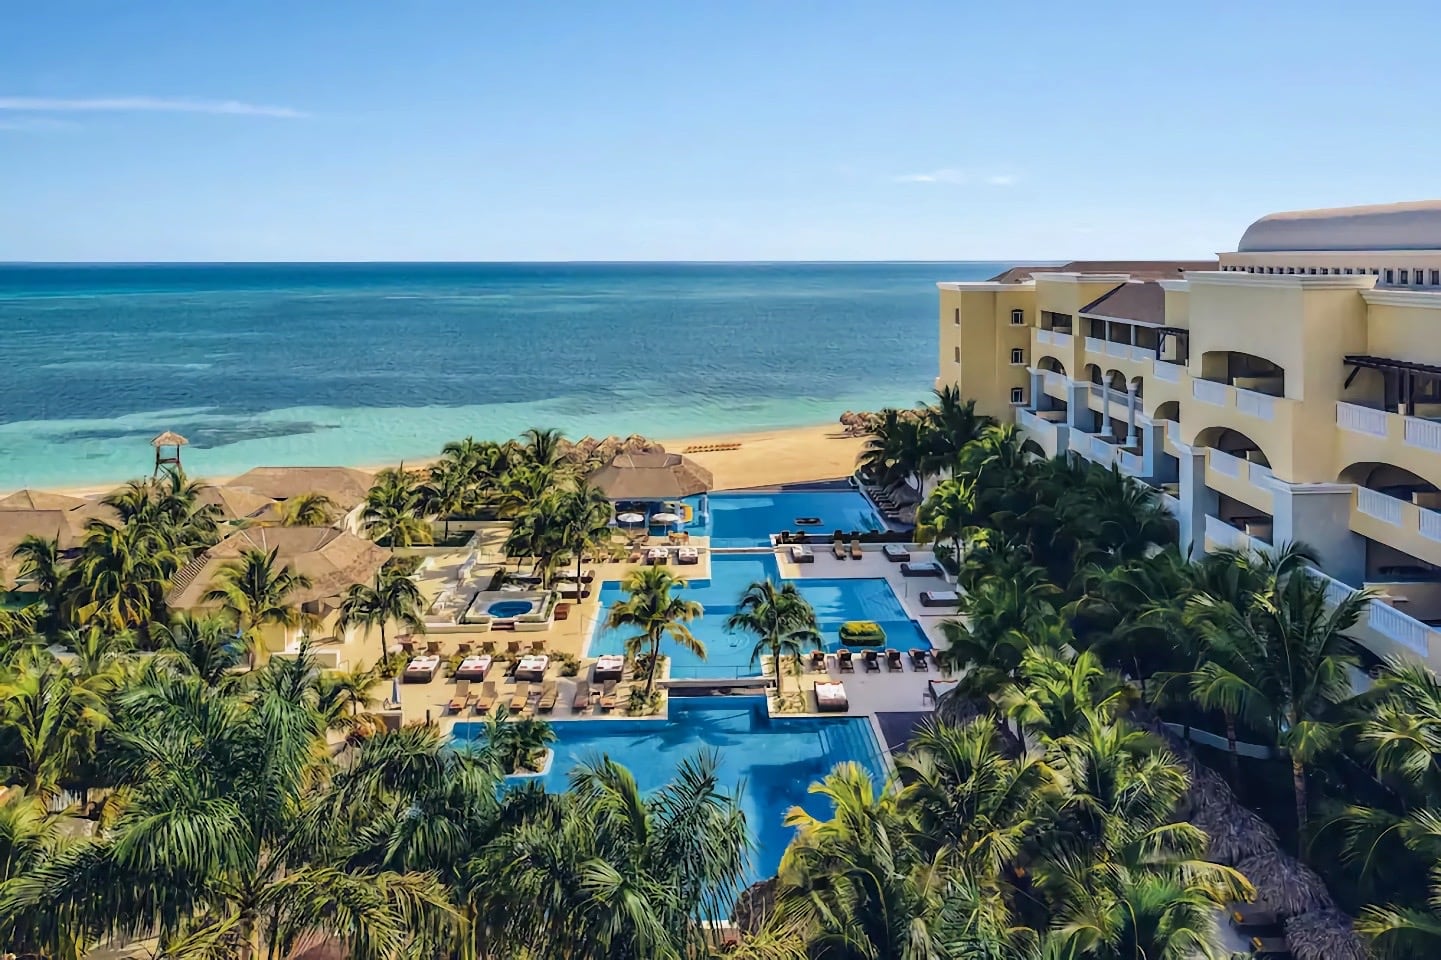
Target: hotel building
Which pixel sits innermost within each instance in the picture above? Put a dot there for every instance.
(1288, 391)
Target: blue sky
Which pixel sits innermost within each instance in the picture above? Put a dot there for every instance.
(726, 130)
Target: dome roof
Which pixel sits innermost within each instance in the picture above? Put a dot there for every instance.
(1391, 226)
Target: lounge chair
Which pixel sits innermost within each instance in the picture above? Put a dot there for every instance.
(800, 553)
(844, 661)
(581, 699)
(918, 661)
(547, 697)
(926, 569)
(687, 555)
(607, 696)
(657, 556)
(839, 549)
(872, 661)
(940, 598)
(562, 611)
(818, 661)
(461, 699)
(831, 698)
(856, 548)
(520, 698)
(897, 553)
(893, 661)
(1270, 947)
(486, 700)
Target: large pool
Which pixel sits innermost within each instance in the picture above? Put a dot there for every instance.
(749, 519)
(769, 761)
(728, 654)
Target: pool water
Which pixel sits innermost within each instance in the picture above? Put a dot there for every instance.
(510, 608)
(749, 519)
(769, 761)
(728, 654)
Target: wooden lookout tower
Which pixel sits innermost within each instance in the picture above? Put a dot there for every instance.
(171, 441)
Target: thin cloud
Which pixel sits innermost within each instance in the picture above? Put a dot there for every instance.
(1002, 180)
(34, 124)
(235, 108)
(947, 175)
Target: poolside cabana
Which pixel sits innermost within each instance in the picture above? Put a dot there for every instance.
(652, 480)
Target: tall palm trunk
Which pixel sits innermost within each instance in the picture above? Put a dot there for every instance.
(1298, 782)
(654, 665)
(384, 648)
(776, 659)
(1235, 756)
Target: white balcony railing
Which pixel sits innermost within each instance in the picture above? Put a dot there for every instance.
(1225, 463)
(1170, 504)
(1169, 372)
(1101, 451)
(1423, 433)
(1130, 463)
(1080, 442)
(1358, 419)
(1224, 535)
(1060, 339)
(1114, 349)
(1098, 389)
(1258, 405)
(1430, 524)
(1173, 432)
(1395, 625)
(1095, 345)
(1044, 336)
(1031, 421)
(1140, 353)
(1373, 503)
(1054, 380)
(1260, 475)
(1209, 391)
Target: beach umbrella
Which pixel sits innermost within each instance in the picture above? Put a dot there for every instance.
(629, 518)
(665, 518)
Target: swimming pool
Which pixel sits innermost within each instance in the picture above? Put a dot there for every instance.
(510, 608)
(769, 761)
(728, 654)
(742, 519)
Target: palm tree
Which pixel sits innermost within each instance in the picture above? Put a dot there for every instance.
(393, 508)
(223, 845)
(121, 576)
(53, 716)
(42, 567)
(255, 594)
(392, 598)
(307, 510)
(1278, 656)
(782, 622)
(343, 698)
(543, 447)
(448, 489)
(206, 646)
(583, 514)
(948, 514)
(950, 425)
(651, 610)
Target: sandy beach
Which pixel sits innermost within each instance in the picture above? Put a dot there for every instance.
(764, 458)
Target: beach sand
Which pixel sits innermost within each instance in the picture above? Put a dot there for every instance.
(764, 458)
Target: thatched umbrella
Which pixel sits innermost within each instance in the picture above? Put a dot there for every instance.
(754, 905)
(652, 476)
(1284, 885)
(1324, 935)
(1235, 833)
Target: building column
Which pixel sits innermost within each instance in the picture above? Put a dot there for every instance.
(1078, 404)
(1319, 515)
(1130, 414)
(1153, 449)
(1198, 501)
(1040, 400)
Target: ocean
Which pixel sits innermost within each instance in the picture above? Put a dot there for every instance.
(372, 363)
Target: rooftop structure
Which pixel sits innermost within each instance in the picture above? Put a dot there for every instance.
(652, 476)
(345, 486)
(1290, 391)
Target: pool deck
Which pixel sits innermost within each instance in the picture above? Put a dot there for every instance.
(869, 694)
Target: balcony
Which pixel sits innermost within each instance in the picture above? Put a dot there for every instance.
(1040, 429)
(1169, 372)
(1121, 350)
(1425, 434)
(1054, 384)
(1259, 405)
(1358, 419)
(1240, 479)
(1223, 536)
(1372, 434)
(1171, 504)
(1053, 338)
(1385, 621)
(1095, 345)
(1131, 464)
(1209, 391)
(1173, 432)
(1399, 524)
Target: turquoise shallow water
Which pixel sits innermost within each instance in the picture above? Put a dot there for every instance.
(367, 363)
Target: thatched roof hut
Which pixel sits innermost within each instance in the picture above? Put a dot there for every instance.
(1284, 885)
(345, 486)
(41, 500)
(754, 906)
(1324, 935)
(1234, 833)
(652, 476)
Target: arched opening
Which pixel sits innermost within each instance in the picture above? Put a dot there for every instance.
(1394, 497)
(1092, 373)
(1239, 452)
(1169, 410)
(1138, 387)
(1051, 365)
(1050, 392)
(1244, 371)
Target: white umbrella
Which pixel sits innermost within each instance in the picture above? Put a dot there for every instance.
(630, 518)
(664, 518)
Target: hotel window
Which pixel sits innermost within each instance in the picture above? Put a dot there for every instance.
(1405, 277)
(958, 354)
(1436, 278)
(1018, 317)
(1290, 269)
(958, 316)
(1348, 271)
(1375, 272)
(1313, 271)
(1018, 357)
(1018, 395)
(1390, 275)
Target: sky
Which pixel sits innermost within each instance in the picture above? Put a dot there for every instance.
(722, 130)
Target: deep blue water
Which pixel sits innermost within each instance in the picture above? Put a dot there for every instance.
(728, 654)
(749, 519)
(770, 761)
(367, 363)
